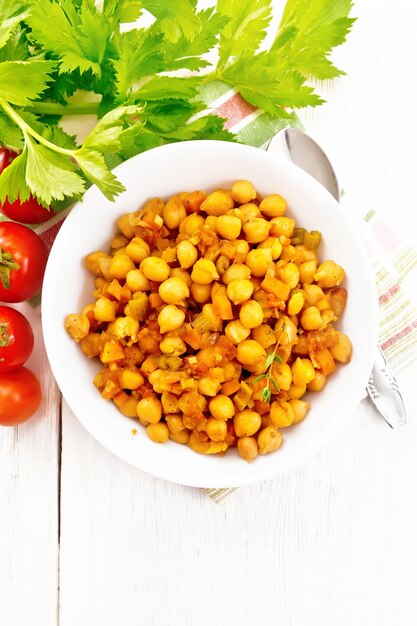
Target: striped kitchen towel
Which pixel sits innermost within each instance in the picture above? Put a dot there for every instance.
(394, 261)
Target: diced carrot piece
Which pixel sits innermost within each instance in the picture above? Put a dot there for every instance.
(115, 289)
(221, 303)
(325, 361)
(230, 387)
(154, 300)
(276, 287)
(112, 351)
(120, 398)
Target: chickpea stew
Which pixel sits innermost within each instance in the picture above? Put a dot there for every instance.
(213, 317)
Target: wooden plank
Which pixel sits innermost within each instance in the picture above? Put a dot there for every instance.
(329, 543)
(29, 458)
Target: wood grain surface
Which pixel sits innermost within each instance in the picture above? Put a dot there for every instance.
(85, 540)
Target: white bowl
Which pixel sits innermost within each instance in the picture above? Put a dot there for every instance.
(67, 288)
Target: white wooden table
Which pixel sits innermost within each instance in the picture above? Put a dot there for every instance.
(86, 540)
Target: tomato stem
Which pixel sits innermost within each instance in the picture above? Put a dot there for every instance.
(7, 263)
(4, 337)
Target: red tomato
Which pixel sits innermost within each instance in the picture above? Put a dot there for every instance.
(30, 212)
(16, 339)
(20, 396)
(23, 259)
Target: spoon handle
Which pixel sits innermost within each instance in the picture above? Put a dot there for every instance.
(384, 392)
(303, 151)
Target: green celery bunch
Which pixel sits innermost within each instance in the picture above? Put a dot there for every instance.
(147, 82)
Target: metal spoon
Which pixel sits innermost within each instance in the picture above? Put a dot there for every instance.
(303, 151)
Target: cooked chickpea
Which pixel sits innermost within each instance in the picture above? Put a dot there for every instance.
(243, 191)
(138, 249)
(250, 352)
(236, 332)
(221, 408)
(216, 429)
(179, 272)
(312, 294)
(282, 375)
(289, 274)
(246, 423)
(282, 226)
(173, 213)
(307, 271)
(91, 345)
(155, 269)
(256, 230)
(251, 314)
(239, 290)
(128, 407)
(311, 318)
(269, 440)
(155, 205)
(191, 224)
(295, 392)
(258, 261)
(342, 351)
(123, 224)
(170, 318)
(174, 421)
(120, 265)
(78, 326)
(105, 310)
(247, 448)
(303, 372)
(235, 272)
(204, 272)
(173, 291)
(125, 327)
(172, 345)
(130, 378)
(201, 293)
(208, 386)
(210, 222)
(181, 436)
(137, 281)
(186, 254)
(273, 244)
(217, 203)
(169, 403)
(248, 211)
(329, 274)
(158, 433)
(264, 335)
(300, 408)
(296, 303)
(273, 205)
(92, 261)
(318, 382)
(279, 417)
(150, 409)
(228, 226)
(104, 265)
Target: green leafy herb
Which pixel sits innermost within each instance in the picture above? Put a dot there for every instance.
(272, 358)
(143, 95)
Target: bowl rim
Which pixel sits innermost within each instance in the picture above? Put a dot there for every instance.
(176, 474)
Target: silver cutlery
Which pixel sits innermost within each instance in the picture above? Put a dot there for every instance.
(303, 151)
